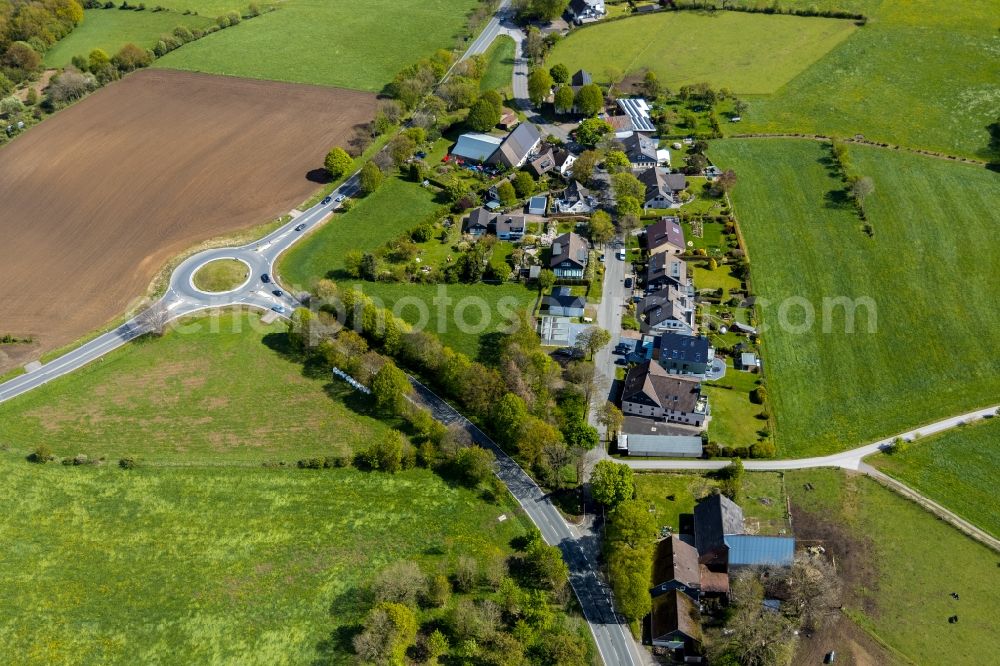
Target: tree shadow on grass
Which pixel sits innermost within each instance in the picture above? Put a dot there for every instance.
(353, 602)
(490, 348)
(320, 176)
(838, 200)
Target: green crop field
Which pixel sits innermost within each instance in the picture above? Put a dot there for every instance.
(958, 469)
(217, 565)
(397, 206)
(479, 309)
(902, 564)
(499, 65)
(357, 44)
(747, 53)
(913, 76)
(930, 272)
(110, 29)
(217, 388)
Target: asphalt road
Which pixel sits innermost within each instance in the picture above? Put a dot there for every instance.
(612, 636)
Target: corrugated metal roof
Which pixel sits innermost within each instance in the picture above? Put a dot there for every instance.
(477, 147)
(751, 550)
(662, 445)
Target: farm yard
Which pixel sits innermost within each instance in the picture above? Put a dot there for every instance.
(958, 469)
(206, 379)
(934, 329)
(747, 53)
(182, 161)
(111, 29)
(358, 44)
(209, 564)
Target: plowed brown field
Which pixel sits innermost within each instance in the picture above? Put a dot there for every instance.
(96, 199)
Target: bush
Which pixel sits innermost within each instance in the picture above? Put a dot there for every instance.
(41, 455)
(127, 463)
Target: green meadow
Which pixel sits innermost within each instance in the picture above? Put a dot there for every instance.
(957, 469)
(358, 44)
(499, 64)
(922, 343)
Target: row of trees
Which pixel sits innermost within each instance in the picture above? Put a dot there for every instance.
(27, 29)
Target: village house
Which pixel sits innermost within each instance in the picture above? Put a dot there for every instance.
(519, 144)
(685, 354)
(665, 235)
(675, 567)
(637, 109)
(667, 309)
(675, 624)
(664, 270)
(506, 226)
(662, 189)
(585, 11)
(569, 258)
(542, 164)
(576, 199)
(652, 392)
(641, 151)
(478, 222)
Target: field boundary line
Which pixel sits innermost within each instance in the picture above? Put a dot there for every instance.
(862, 142)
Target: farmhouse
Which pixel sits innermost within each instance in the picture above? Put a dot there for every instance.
(685, 354)
(476, 147)
(514, 150)
(637, 109)
(667, 309)
(675, 624)
(569, 256)
(723, 544)
(562, 303)
(665, 235)
(576, 199)
(641, 151)
(664, 270)
(676, 568)
(652, 392)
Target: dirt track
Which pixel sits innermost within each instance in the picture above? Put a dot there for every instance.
(96, 199)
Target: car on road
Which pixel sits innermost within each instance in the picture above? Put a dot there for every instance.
(601, 258)
(300, 227)
(628, 283)
(340, 197)
(278, 308)
(326, 200)
(265, 278)
(621, 254)
(278, 293)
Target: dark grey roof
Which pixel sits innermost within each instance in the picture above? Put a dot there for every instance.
(675, 613)
(676, 560)
(715, 517)
(663, 305)
(649, 383)
(663, 231)
(665, 267)
(569, 247)
(640, 148)
(655, 180)
(575, 192)
(676, 181)
(518, 144)
(509, 223)
(480, 217)
(683, 348)
(582, 76)
(563, 297)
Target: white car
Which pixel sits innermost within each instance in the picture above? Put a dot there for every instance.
(340, 197)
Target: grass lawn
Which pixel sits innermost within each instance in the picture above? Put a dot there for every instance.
(902, 564)
(720, 277)
(913, 76)
(217, 565)
(734, 418)
(357, 44)
(111, 29)
(926, 349)
(214, 389)
(670, 495)
(958, 469)
(466, 303)
(221, 275)
(397, 206)
(499, 65)
(747, 53)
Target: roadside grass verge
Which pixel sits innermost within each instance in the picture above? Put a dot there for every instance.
(901, 565)
(221, 275)
(922, 345)
(499, 64)
(358, 44)
(215, 388)
(111, 29)
(747, 53)
(958, 469)
(210, 564)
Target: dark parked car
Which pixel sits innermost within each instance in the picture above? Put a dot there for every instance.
(300, 227)
(278, 293)
(628, 283)
(326, 200)
(265, 278)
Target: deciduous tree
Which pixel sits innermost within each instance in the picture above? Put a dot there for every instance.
(591, 131)
(589, 100)
(539, 85)
(337, 162)
(483, 116)
(612, 483)
(371, 177)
